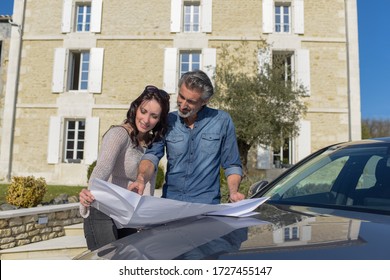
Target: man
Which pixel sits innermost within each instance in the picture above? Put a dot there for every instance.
(198, 142)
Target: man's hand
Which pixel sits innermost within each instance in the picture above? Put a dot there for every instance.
(236, 196)
(138, 187)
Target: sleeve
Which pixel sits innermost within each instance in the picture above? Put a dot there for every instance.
(230, 156)
(155, 152)
(114, 141)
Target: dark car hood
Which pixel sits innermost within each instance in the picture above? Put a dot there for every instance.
(276, 232)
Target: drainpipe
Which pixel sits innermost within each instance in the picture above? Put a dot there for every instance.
(10, 99)
(348, 72)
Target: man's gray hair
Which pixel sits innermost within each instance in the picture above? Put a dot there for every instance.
(199, 81)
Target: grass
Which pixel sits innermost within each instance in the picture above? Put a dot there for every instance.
(52, 192)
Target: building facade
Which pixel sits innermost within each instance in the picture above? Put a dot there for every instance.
(76, 65)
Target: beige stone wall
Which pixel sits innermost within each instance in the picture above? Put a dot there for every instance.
(324, 18)
(43, 17)
(130, 65)
(139, 18)
(239, 19)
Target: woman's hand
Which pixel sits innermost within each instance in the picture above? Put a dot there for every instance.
(86, 197)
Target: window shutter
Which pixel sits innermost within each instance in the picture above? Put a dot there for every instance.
(306, 233)
(96, 15)
(170, 64)
(58, 70)
(53, 147)
(264, 157)
(66, 16)
(209, 61)
(176, 10)
(303, 140)
(302, 61)
(268, 16)
(96, 70)
(299, 17)
(91, 140)
(207, 12)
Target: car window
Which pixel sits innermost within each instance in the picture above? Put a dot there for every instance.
(320, 181)
(367, 179)
(357, 177)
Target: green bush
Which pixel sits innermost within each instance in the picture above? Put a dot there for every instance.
(160, 178)
(26, 191)
(90, 169)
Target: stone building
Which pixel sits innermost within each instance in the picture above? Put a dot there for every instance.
(75, 66)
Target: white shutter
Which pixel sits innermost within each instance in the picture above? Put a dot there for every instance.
(95, 70)
(170, 64)
(53, 145)
(278, 236)
(58, 70)
(268, 16)
(299, 17)
(96, 15)
(209, 61)
(207, 15)
(303, 140)
(91, 140)
(264, 157)
(66, 16)
(302, 68)
(176, 11)
(306, 233)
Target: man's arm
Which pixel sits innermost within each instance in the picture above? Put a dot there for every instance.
(233, 182)
(145, 173)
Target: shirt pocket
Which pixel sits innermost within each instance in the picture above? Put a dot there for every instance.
(175, 146)
(210, 143)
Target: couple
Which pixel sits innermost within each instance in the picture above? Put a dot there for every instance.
(198, 141)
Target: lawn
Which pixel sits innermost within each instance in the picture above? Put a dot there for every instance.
(52, 192)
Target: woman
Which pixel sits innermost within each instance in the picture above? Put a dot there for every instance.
(121, 150)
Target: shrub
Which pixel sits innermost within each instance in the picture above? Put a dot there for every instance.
(90, 169)
(26, 191)
(160, 177)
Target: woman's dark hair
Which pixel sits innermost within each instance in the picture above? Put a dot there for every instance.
(162, 98)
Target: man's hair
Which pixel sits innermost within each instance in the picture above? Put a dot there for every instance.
(199, 81)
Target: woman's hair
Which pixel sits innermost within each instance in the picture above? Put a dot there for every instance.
(199, 81)
(162, 98)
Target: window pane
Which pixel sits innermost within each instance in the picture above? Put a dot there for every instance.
(83, 18)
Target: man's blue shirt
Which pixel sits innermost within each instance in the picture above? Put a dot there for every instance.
(194, 156)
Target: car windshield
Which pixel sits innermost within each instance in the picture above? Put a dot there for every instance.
(353, 177)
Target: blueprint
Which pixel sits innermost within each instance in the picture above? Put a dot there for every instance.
(129, 209)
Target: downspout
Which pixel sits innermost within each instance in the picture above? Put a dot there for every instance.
(348, 72)
(13, 73)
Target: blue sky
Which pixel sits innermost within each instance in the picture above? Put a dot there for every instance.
(374, 55)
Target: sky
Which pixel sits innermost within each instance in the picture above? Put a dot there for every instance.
(374, 55)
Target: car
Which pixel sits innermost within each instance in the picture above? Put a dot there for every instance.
(332, 205)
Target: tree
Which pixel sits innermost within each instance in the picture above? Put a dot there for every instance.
(374, 128)
(264, 103)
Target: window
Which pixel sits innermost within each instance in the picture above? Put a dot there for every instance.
(191, 17)
(291, 233)
(282, 18)
(83, 18)
(282, 64)
(79, 69)
(74, 141)
(189, 61)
